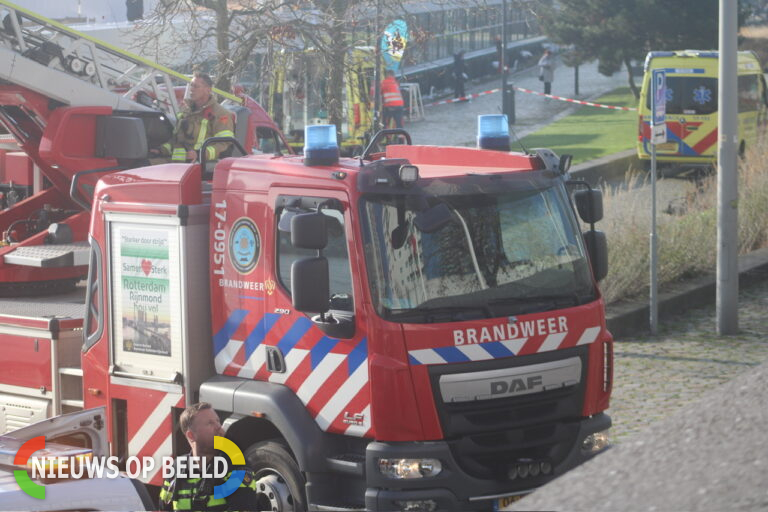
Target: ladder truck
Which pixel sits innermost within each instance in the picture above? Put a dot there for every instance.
(62, 94)
(57, 88)
(416, 329)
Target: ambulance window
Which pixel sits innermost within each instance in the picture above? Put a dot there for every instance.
(690, 95)
(749, 93)
(336, 252)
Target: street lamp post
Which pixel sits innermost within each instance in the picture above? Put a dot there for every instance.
(376, 77)
(507, 90)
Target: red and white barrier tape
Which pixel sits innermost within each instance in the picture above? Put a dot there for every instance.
(521, 89)
(463, 98)
(569, 100)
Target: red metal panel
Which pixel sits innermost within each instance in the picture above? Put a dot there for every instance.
(25, 361)
(19, 168)
(159, 184)
(464, 158)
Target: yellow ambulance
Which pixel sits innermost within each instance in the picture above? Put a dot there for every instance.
(692, 106)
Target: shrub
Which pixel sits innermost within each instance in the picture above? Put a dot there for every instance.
(686, 225)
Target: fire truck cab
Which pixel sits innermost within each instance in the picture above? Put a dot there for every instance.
(416, 329)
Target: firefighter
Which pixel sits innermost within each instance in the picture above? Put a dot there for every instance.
(200, 424)
(202, 117)
(393, 103)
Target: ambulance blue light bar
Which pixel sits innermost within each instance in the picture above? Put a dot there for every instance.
(493, 132)
(320, 145)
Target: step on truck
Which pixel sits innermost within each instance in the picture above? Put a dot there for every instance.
(419, 328)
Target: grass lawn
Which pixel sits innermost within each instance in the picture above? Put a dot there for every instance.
(591, 132)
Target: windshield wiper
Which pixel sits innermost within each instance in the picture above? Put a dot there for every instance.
(454, 313)
(534, 303)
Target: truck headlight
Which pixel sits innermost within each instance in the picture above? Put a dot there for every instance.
(596, 442)
(410, 468)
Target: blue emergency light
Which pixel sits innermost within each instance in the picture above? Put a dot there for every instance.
(320, 146)
(493, 132)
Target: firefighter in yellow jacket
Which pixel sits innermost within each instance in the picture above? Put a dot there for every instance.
(201, 118)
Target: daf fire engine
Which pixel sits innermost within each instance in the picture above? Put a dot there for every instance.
(416, 329)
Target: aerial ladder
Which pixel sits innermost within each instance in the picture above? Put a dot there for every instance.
(57, 88)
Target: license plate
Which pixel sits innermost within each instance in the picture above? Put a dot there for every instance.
(506, 502)
(669, 147)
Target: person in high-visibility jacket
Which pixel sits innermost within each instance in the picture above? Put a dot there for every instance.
(392, 100)
(201, 118)
(200, 424)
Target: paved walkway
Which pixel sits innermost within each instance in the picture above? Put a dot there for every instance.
(655, 377)
(455, 124)
(689, 412)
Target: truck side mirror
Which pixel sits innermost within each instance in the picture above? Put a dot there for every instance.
(597, 247)
(589, 204)
(310, 285)
(309, 231)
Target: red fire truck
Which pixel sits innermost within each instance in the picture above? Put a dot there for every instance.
(417, 329)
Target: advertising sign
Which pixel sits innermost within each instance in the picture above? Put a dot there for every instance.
(145, 285)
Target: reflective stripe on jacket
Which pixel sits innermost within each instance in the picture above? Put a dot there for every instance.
(197, 494)
(390, 93)
(194, 127)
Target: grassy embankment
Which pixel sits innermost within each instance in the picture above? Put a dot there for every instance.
(591, 132)
(688, 235)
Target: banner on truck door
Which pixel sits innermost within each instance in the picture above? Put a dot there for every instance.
(146, 297)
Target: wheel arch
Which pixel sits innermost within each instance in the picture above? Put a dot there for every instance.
(248, 430)
(262, 411)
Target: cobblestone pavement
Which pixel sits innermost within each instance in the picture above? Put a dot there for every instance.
(654, 377)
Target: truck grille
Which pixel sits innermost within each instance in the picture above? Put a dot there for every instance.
(488, 436)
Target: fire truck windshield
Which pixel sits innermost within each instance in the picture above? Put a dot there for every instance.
(476, 250)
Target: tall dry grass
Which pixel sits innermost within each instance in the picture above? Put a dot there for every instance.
(686, 226)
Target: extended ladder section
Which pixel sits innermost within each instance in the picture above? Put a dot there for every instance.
(78, 70)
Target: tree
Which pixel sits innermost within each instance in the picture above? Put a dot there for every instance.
(238, 28)
(616, 32)
(223, 30)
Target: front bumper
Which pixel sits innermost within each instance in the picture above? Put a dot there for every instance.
(453, 488)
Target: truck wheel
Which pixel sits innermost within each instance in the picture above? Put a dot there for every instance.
(279, 482)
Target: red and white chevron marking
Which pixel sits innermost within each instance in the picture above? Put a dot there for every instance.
(529, 91)
(150, 435)
(334, 393)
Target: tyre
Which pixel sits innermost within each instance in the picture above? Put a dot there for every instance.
(279, 482)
